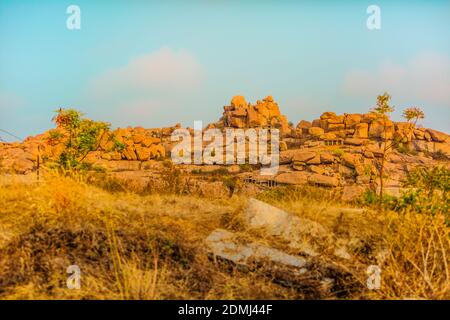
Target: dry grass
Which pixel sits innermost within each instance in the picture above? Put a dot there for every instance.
(413, 250)
(130, 246)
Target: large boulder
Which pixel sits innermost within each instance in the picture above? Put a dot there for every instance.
(361, 131)
(369, 117)
(19, 165)
(317, 169)
(304, 125)
(326, 158)
(351, 120)
(432, 147)
(303, 155)
(276, 222)
(321, 180)
(354, 141)
(419, 133)
(148, 141)
(238, 102)
(262, 215)
(316, 131)
(327, 115)
(351, 160)
(142, 153)
(335, 126)
(438, 136)
(295, 178)
(381, 128)
(16, 159)
(352, 192)
(226, 245)
(443, 147)
(263, 114)
(404, 131)
(328, 136)
(315, 123)
(336, 120)
(315, 160)
(129, 153)
(286, 156)
(157, 151)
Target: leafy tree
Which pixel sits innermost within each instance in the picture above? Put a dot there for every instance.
(81, 136)
(413, 114)
(428, 192)
(383, 108)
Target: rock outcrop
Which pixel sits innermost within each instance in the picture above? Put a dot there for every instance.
(332, 151)
(263, 114)
(129, 144)
(358, 129)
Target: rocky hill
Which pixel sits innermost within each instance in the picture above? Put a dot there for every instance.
(342, 151)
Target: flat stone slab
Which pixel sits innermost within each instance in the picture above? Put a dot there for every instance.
(276, 222)
(315, 280)
(225, 244)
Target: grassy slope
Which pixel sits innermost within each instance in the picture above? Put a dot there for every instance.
(151, 247)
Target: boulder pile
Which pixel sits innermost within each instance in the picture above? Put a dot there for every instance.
(123, 144)
(263, 114)
(359, 129)
(331, 151)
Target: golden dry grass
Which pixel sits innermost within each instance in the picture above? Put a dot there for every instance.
(130, 246)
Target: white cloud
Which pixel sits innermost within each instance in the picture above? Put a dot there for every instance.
(149, 85)
(164, 69)
(425, 78)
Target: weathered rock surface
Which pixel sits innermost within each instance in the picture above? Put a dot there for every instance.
(225, 245)
(322, 180)
(276, 222)
(332, 151)
(316, 280)
(263, 114)
(292, 178)
(303, 155)
(351, 193)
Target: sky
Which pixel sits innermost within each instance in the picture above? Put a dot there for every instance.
(158, 63)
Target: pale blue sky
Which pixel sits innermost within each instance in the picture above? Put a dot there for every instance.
(157, 63)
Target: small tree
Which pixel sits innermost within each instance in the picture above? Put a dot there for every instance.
(382, 110)
(413, 114)
(80, 136)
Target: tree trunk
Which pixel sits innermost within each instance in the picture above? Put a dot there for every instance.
(380, 203)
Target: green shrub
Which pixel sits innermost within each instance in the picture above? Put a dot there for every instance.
(338, 152)
(81, 136)
(245, 167)
(439, 155)
(118, 146)
(231, 183)
(427, 192)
